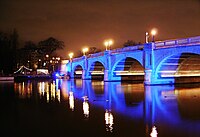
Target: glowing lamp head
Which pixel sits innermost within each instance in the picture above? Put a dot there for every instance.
(85, 50)
(153, 32)
(108, 42)
(71, 55)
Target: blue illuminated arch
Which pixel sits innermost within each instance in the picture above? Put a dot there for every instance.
(75, 67)
(100, 60)
(162, 54)
(123, 60)
(173, 63)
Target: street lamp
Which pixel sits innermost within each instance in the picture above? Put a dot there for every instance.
(71, 54)
(108, 43)
(153, 33)
(84, 51)
(146, 37)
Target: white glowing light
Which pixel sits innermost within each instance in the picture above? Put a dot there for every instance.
(71, 101)
(109, 121)
(78, 72)
(58, 95)
(96, 72)
(153, 32)
(71, 55)
(108, 43)
(129, 73)
(154, 132)
(85, 107)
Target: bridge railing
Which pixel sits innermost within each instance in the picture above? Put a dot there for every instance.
(78, 59)
(178, 42)
(96, 54)
(129, 48)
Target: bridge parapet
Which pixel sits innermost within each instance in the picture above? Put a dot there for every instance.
(186, 41)
(130, 48)
(95, 55)
(78, 59)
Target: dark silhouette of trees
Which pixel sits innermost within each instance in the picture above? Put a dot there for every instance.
(93, 50)
(131, 43)
(28, 55)
(8, 50)
(49, 45)
(31, 55)
(41, 55)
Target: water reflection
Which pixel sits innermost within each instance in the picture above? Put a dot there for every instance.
(23, 89)
(85, 107)
(109, 121)
(167, 107)
(154, 132)
(71, 101)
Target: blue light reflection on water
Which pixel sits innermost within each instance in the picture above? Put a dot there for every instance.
(158, 107)
(174, 111)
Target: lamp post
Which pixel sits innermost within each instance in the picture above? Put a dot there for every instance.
(153, 33)
(84, 51)
(108, 43)
(146, 37)
(71, 54)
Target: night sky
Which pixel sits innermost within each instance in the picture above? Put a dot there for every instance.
(81, 23)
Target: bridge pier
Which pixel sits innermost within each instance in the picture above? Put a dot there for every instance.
(149, 63)
(108, 76)
(85, 75)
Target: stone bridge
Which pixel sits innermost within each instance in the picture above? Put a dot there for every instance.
(164, 62)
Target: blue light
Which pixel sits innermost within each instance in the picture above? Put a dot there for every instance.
(57, 75)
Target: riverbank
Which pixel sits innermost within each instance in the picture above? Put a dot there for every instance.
(6, 78)
(22, 77)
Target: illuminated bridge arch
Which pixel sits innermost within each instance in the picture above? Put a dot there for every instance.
(96, 70)
(179, 68)
(77, 71)
(128, 68)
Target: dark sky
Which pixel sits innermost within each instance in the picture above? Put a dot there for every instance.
(89, 22)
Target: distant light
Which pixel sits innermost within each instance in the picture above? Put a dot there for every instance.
(57, 74)
(65, 61)
(47, 55)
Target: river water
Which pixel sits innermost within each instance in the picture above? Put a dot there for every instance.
(76, 108)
